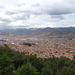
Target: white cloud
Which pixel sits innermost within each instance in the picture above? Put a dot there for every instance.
(17, 23)
(1, 22)
(37, 13)
(72, 25)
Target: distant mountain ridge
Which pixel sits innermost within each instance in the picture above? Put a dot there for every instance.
(38, 31)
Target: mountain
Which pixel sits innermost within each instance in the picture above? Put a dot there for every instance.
(40, 31)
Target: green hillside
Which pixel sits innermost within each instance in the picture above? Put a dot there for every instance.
(16, 63)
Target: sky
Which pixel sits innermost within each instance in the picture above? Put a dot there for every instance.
(36, 13)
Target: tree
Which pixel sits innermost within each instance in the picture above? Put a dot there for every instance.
(27, 69)
(5, 62)
(47, 71)
(67, 71)
(74, 59)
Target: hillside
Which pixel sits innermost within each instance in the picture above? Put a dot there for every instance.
(16, 63)
(61, 32)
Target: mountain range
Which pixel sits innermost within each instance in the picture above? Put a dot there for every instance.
(68, 31)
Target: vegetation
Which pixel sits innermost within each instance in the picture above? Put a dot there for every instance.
(27, 69)
(28, 44)
(16, 63)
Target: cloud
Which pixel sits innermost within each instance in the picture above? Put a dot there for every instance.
(37, 13)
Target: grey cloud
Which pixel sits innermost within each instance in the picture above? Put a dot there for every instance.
(2, 7)
(60, 17)
(60, 11)
(55, 11)
(21, 15)
(59, 8)
(12, 12)
(5, 20)
(4, 25)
